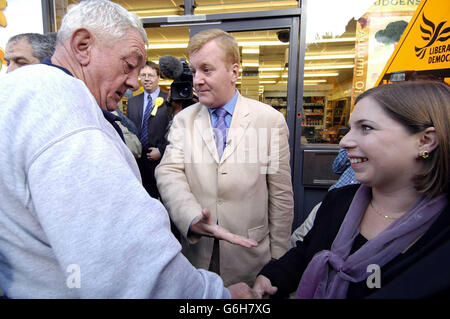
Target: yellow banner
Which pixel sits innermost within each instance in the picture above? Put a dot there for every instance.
(425, 44)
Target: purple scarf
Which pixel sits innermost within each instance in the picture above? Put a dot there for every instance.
(330, 271)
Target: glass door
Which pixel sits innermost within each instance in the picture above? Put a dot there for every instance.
(270, 44)
(269, 62)
(270, 56)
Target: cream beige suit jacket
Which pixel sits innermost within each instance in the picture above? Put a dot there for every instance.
(248, 191)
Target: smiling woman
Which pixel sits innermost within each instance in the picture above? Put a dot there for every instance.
(397, 220)
(404, 104)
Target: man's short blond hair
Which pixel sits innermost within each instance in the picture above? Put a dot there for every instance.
(223, 39)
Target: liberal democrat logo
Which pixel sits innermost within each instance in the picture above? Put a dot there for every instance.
(434, 34)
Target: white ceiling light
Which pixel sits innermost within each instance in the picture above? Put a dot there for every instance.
(310, 75)
(153, 46)
(331, 56)
(260, 43)
(314, 81)
(250, 64)
(271, 69)
(269, 76)
(250, 51)
(185, 44)
(268, 82)
(330, 67)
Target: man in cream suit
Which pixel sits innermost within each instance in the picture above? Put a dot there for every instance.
(225, 176)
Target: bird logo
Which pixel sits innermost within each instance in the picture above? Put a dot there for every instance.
(431, 33)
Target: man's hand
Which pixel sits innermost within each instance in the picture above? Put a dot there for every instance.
(242, 291)
(263, 287)
(153, 154)
(207, 227)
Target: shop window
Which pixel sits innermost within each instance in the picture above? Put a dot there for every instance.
(264, 70)
(220, 6)
(143, 8)
(61, 7)
(346, 51)
(164, 8)
(153, 8)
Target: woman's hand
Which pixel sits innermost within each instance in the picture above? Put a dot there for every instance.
(263, 287)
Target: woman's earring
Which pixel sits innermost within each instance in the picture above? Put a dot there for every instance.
(424, 154)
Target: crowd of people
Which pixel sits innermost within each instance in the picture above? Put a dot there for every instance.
(195, 200)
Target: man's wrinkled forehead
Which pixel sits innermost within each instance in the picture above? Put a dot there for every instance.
(136, 47)
(140, 54)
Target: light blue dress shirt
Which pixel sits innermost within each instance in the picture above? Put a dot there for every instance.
(229, 107)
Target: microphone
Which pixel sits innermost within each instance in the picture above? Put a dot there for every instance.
(170, 67)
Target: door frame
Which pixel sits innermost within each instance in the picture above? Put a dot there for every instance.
(292, 19)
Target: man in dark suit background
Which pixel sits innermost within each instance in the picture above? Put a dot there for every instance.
(151, 123)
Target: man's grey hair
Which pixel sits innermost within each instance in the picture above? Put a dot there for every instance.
(107, 20)
(41, 45)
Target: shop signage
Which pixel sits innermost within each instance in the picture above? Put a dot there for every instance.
(396, 2)
(377, 34)
(361, 57)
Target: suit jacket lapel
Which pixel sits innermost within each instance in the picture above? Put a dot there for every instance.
(203, 126)
(239, 124)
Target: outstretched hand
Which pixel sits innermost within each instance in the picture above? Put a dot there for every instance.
(242, 291)
(207, 227)
(263, 287)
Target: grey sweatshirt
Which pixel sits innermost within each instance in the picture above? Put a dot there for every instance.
(75, 221)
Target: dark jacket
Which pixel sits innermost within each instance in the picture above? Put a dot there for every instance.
(157, 124)
(157, 127)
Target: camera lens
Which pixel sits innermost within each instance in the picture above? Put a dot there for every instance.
(181, 90)
(185, 92)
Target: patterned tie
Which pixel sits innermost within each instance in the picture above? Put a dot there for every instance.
(144, 131)
(220, 130)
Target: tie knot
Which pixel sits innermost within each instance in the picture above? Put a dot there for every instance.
(220, 112)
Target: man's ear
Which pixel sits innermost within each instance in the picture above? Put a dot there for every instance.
(81, 43)
(428, 140)
(235, 70)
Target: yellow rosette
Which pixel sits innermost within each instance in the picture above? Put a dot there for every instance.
(2, 58)
(3, 22)
(158, 102)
